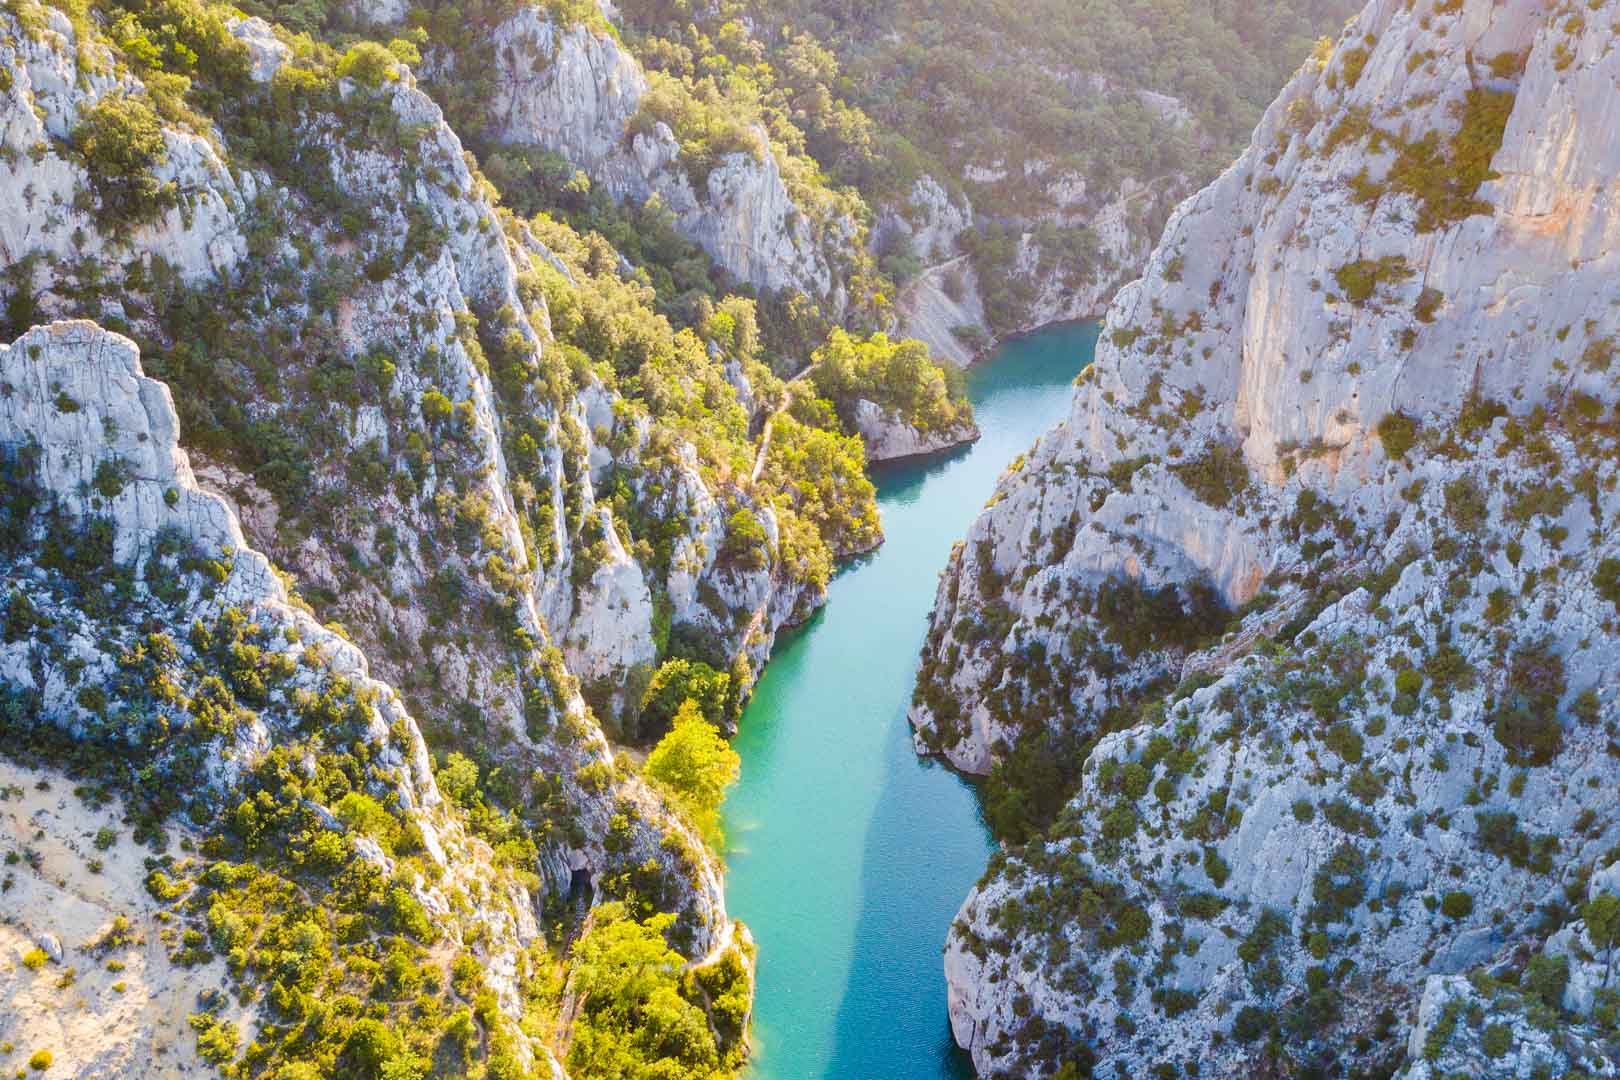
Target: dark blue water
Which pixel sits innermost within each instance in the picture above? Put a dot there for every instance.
(849, 854)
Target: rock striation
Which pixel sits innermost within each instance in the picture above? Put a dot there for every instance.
(1309, 603)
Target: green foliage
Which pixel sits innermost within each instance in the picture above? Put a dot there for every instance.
(697, 765)
(1137, 618)
(746, 543)
(1466, 504)
(1602, 915)
(1445, 178)
(368, 64)
(1361, 280)
(898, 376)
(1344, 741)
(1545, 978)
(1217, 477)
(1607, 581)
(676, 682)
(120, 140)
(1398, 433)
(1496, 1040)
(639, 1019)
(1457, 904)
(1526, 720)
(1028, 786)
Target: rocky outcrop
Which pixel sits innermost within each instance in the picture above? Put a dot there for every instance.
(91, 445)
(404, 468)
(889, 437)
(53, 80)
(1357, 420)
(945, 305)
(575, 91)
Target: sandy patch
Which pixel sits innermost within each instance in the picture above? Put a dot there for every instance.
(95, 1022)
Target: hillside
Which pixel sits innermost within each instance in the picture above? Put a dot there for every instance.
(1290, 655)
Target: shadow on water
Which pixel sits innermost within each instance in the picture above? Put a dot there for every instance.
(896, 992)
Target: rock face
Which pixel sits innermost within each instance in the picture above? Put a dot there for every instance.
(1359, 416)
(91, 442)
(575, 91)
(889, 437)
(387, 405)
(54, 80)
(945, 305)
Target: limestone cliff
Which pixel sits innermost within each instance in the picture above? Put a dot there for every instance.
(1310, 602)
(111, 551)
(945, 305)
(361, 353)
(576, 91)
(889, 437)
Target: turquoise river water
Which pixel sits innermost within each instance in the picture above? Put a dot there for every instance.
(849, 854)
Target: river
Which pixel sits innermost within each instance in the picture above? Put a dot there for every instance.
(849, 854)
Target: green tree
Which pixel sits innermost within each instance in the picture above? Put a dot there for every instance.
(121, 141)
(635, 1023)
(697, 765)
(676, 682)
(368, 64)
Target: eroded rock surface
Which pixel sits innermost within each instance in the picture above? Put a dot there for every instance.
(1344, 472)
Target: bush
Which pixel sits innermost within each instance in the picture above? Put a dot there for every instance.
(697, 765)
(1398, 433)
(1361, 280)
(1445, 179)
(746, 544)
(1545, 978)
(1345, 741)
(1466, 504)
(368, 64)
(677, 682)
(1607, 581)
(1251, 1023)
(121, 141)
(1496, 1040)
(899, 376)
(1526, 721)
(41, 1060)
(1217, 477)
(1457, 904)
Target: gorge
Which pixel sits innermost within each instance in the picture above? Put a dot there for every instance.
(447, 448)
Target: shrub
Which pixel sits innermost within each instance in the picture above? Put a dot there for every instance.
(1398, 433)
(746, 544)
(1457, 904)
(1545, 978)
(1344, 741)
(436, 408)
(677, 682)
(41, 1060)
(1360, 280)
(1607, 581)
(697, 765)
(368, 64)
(121, 141)
(1445, 180)
(1251, 1023)
(1466, 504)
(900, 376)
(1217, 477)
(1496, 1040)
(1526, 720)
